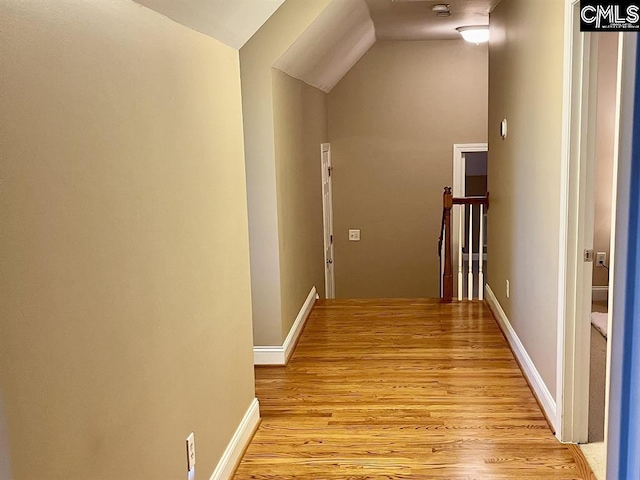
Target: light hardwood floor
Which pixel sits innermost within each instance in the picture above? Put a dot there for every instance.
(401, 389)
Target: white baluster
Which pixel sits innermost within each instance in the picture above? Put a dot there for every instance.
(460, 240)
(470, 279)
(481, 255)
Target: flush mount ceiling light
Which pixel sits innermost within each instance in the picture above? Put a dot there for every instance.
(475, 34)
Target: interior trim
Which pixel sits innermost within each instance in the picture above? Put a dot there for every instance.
(238, 444)
(533, 377)
(280, 354)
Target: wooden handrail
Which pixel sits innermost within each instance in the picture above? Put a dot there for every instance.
(472, 201)
(448, 201)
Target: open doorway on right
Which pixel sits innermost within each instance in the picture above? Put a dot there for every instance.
(604, 153)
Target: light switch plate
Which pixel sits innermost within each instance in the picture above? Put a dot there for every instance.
(354, 235)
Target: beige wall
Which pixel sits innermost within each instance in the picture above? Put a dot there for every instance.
(126, 316)
(607, 69)
(300, 123)
(257, 57)
(393, 120)
(526, 87)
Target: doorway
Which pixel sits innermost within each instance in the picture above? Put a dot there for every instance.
(592, 112)
(327, 219)
(470, 179)
(607, 59)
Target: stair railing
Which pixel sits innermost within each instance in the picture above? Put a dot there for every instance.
(445, 245)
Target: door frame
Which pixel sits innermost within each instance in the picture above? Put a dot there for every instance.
(622, 437)
(459, 190)
(577, 177)
(329, 274)
(459, 167)
(576, 229)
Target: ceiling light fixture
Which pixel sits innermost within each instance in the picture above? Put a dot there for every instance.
(475, 34)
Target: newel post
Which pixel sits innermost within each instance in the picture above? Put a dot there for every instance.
(447, 277)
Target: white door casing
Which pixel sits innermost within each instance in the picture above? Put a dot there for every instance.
(459, 190)
(327, 220)
(576, 229)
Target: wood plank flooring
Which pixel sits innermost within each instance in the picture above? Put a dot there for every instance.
(398, 389)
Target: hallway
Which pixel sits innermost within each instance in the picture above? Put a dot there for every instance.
(402, 389)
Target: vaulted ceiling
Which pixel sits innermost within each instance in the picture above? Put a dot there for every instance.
(414, 19)
(231, 21)
(340, 35)
(332, 44)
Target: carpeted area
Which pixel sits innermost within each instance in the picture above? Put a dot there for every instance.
(600, 320)
(595, 455)
(594, 451)
(597, 385)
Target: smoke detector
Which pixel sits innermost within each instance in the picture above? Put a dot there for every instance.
(441, 10)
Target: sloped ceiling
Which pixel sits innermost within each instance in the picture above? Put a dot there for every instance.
(414, 20)
(339, 36)
(331, 45)
(231, 21)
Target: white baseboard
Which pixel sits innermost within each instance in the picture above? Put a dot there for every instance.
(280, 354)
(268, 356)
(241, 438)
(545, 398)
(599, 294)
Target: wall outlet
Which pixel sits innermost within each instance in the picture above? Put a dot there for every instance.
(191, 452)
(508, 289)
(601, 259)
(354, 235)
